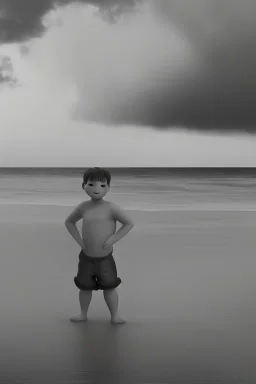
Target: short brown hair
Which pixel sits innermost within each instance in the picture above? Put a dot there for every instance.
(96, 174)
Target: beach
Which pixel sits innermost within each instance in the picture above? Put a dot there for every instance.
(187, 293)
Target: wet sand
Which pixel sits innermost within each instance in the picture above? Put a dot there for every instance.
(188, 295)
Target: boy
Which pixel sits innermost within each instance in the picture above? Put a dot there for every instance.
(97, 268)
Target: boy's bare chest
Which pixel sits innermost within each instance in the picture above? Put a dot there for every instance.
(98, 225)
(93, 215)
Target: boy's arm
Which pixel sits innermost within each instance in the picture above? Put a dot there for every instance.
(120, 215)
(70, 223)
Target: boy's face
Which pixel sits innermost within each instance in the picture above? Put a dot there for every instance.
(96, 189)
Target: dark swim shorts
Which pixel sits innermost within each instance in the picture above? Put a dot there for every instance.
(96, 273)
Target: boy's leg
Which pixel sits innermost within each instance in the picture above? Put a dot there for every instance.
(84, 299)
(111, 298)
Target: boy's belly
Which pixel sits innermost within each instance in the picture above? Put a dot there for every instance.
(95, 235)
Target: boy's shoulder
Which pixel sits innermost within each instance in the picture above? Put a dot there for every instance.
(113, 208)
(112, 205)
(84, 203)
(82, 206)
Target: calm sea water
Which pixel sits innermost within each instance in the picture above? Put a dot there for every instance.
(149, 189)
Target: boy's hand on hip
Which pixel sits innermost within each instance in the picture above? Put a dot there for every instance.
(108, 244)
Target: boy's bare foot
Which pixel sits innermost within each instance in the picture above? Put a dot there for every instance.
(78, 318)
(117, 320)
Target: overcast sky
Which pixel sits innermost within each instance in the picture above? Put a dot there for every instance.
(153, 83)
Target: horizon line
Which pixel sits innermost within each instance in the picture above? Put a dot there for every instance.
(131, 167)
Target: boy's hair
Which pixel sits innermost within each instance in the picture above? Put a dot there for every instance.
(96, 174)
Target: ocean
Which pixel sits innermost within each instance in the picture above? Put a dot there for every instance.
(144, 189)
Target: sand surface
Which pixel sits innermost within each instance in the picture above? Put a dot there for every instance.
(188, 294)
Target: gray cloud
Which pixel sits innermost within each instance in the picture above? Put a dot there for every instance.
(218, 94)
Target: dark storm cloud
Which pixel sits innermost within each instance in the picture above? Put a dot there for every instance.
(21, 20)
(219, 93)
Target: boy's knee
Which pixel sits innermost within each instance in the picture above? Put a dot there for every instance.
(85, 291)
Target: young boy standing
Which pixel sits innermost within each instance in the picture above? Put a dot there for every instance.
(97, 268)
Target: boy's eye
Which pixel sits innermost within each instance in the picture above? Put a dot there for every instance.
(91, 185)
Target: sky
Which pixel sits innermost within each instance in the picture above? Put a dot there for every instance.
(133, 83)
